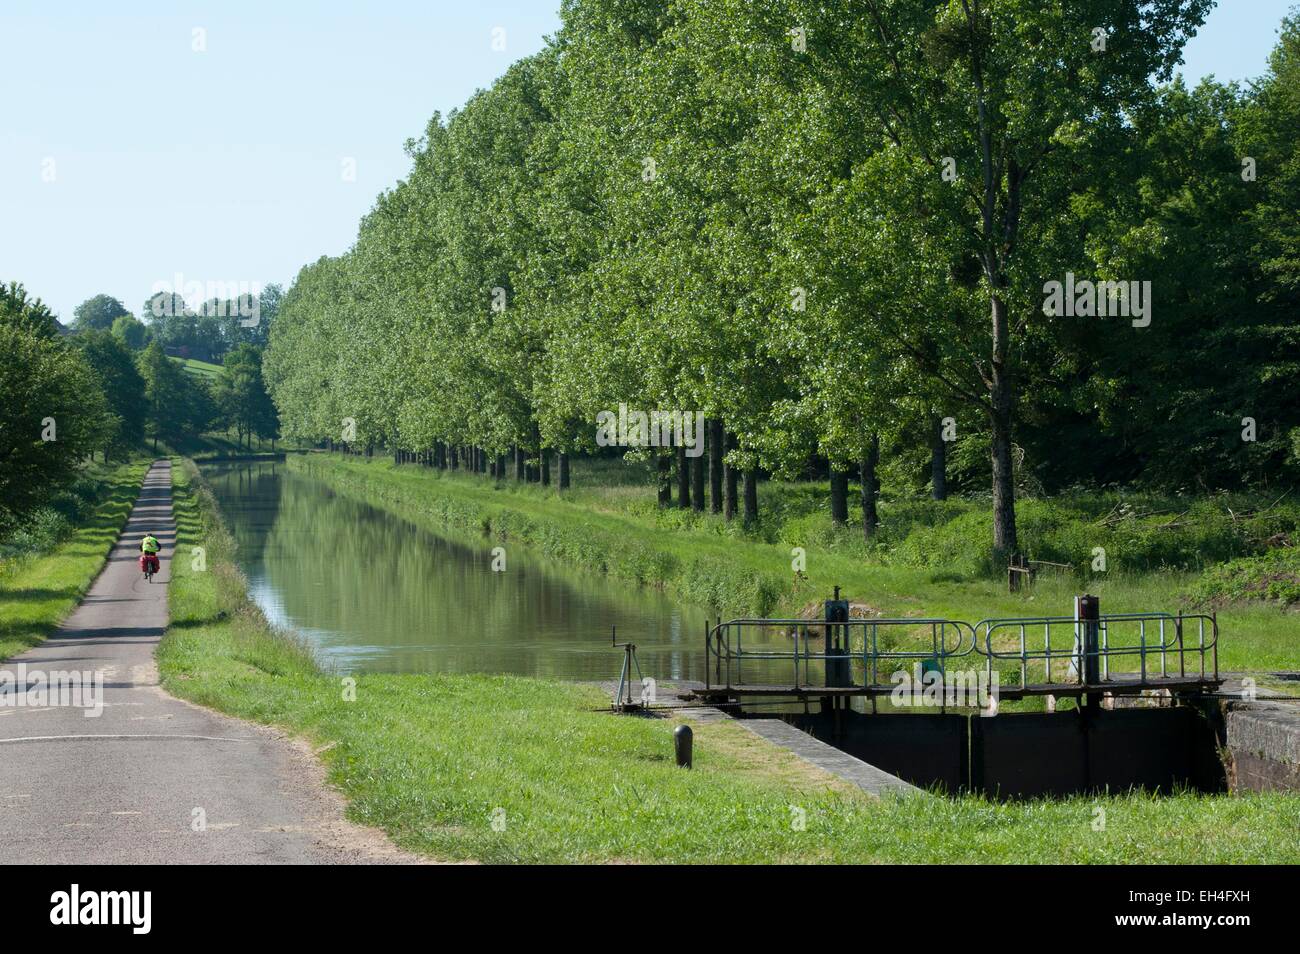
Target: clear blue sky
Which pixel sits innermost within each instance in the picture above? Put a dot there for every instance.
(226, 165)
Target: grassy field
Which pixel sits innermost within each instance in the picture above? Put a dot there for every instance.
(38, 592)
(616, 529)
(433, 760)
(203, 369)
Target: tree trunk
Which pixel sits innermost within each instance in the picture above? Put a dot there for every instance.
(697, 481)
(545, 457)
(839, 496)
(870, 487)
(751, 496)
(564, 471)
(1004, 487)
(501, 466)
(521, 471)
(664, 478)
(455, 457)
(715, 465)
(729, 480)
(683, 479)
(938, 462)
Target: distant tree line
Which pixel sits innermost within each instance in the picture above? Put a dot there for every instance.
(106, 387)
(205, 331)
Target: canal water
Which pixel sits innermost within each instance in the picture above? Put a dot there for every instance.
(375, 593)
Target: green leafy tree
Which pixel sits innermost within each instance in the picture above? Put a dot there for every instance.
(131, 331)
(52, 415)
(168, 396)
(1008, 95)
(1269, 135)
(241, 398)
(18, 310)
(124, 390)
(303, 361)
(98, 313)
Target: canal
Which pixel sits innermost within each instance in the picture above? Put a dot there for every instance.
(375, 593)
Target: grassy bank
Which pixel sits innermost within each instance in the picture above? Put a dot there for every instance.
(698, 558)
(38, 590)
(430, 759)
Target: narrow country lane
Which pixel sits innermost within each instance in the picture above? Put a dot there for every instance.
(128, 785)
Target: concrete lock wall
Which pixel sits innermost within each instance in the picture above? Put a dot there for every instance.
(1023, 755)
(1263, 742)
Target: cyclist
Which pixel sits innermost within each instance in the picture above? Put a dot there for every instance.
(149, 548)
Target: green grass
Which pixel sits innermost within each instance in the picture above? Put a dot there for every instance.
(615, 528)
(430, 758)
(1272, 577)
(203, 369)
(37, 593)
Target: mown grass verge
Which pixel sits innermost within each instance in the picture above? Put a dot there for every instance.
(431, 759)
(735, 574)
(37, 592)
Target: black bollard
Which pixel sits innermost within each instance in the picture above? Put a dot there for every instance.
(682, 737)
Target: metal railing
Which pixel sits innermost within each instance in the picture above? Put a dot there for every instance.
(1153, 638)
(1135, 647)
(871, 644)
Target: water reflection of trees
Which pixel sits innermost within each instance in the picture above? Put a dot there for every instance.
(405, 599)
(249, 494)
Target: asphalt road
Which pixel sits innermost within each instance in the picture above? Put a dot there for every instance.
(152, 779)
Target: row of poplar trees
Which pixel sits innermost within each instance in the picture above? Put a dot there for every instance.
(827, 226)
